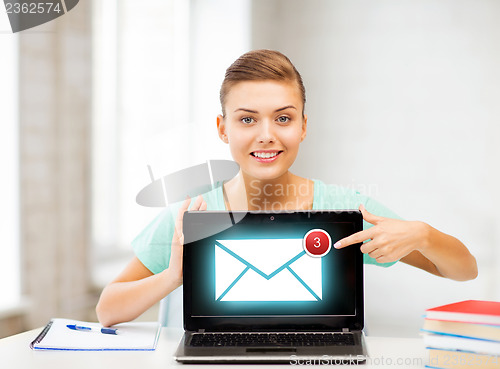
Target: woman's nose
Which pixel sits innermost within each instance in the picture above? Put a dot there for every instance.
(266, 132)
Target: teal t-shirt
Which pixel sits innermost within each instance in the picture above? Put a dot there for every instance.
(152, 245)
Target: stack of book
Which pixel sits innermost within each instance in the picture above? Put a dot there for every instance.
(463, 335)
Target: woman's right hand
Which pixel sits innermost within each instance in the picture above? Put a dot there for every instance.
(136, 289)
(175, 263)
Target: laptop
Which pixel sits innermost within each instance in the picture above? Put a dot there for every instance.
(264, 287)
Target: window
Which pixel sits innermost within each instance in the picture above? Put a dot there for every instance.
(9, 162)
(140, 74)
(157, 72)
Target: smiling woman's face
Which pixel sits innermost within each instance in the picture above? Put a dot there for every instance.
(264, 125)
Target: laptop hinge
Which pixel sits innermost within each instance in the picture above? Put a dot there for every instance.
(344, 330)
(202, 330)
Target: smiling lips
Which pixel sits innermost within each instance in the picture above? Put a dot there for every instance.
(266, 156)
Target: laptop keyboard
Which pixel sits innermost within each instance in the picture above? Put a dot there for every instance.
(271, 339)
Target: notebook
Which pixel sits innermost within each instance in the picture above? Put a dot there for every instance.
(270, 287)
(134, 336)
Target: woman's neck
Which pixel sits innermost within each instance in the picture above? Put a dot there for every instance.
(288, 192)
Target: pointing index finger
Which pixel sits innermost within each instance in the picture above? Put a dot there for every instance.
(357, 237)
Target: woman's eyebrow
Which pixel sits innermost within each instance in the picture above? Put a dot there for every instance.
(247, 110)
(256, 112)
(285, 107)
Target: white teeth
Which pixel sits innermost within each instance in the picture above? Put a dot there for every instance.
(265, 155)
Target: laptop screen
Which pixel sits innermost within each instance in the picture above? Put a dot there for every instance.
(271, 271)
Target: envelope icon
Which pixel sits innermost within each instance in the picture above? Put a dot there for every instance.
(266, 270)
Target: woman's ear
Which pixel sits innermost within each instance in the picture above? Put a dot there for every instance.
(221, 128)
(304, 129)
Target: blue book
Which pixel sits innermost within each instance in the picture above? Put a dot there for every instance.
(453, 342)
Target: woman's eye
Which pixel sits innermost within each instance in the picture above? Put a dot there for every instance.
(247, 120)
(283, 119)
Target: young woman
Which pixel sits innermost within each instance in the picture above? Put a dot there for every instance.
(263, 122)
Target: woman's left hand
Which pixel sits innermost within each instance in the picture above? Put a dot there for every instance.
(389, 239)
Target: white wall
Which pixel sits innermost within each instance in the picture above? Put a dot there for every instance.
(402, 105)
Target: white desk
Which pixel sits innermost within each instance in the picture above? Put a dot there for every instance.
(15, 353)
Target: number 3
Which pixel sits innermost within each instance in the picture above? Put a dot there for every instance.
(317, 242)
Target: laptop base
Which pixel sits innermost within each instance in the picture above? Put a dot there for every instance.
(314, 355)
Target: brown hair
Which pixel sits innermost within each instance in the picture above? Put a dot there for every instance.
(261, 65)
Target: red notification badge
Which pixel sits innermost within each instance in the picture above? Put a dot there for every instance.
(317, 243)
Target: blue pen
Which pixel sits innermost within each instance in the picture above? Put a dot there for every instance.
(89, 329)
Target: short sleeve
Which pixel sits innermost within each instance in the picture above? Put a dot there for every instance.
(152, 245)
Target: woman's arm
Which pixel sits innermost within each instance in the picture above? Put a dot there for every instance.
(443, 255)
(415, 243)
(136, 289)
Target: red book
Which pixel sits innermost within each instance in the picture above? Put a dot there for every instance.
(470, 311)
